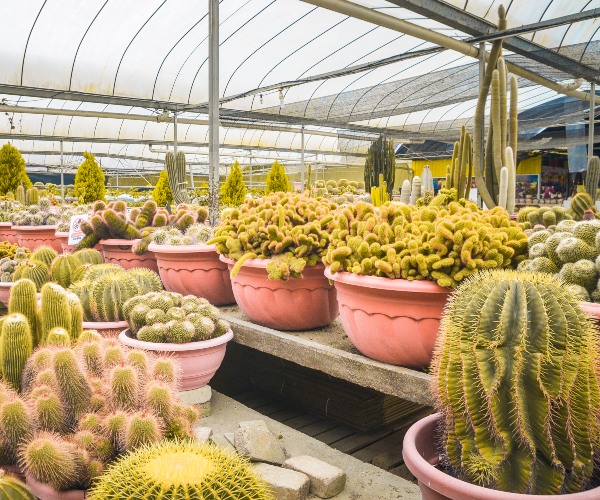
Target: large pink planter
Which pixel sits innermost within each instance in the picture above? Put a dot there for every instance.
(5, 288)
(421, 456)
(45, 492)
(198, 361)
(592, 309)
(64, 241)
(295, 304)
(7, 232)
(194, 270)
(393, 321)
(106, 329)
(36, 236)
(119, 252)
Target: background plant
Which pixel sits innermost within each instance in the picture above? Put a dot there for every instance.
(161, 193)
(277, 180)
(233, 191)
(12, 170)
(89, 180)
(381, 160)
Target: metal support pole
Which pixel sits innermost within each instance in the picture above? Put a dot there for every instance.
(591, 120)
(250, 171)
(62, 173)
(302, 159)
(481, 76)
(213, 109)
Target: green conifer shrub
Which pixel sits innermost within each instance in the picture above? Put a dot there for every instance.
(277, 179)
(89, 180)
(233, 192)
(12, 170)
(161, 193)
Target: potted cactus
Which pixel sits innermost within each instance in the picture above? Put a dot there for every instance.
(64, 224)
(13, 257)
(189, 266)
(104, 288)
(394, 268)
(35, 226)
(7, 208)
(273, 246)
(188, 329)
(514, 377)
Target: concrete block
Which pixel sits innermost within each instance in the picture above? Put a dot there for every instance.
(285, 484)
(203, 434)
(326, 480)
(254, 440)
(196, 396)
(222, 442)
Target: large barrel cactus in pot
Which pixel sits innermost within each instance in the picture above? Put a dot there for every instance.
(516, 382)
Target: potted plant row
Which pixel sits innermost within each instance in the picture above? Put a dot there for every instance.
(273, 247)
(395, 266)
(516, 384)
(36, 224)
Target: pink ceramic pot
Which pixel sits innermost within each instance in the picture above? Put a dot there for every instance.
(106, 329)
(35, 236)
(421, 456)
(194, 270)
(7, 232)
(45, 492)
(295, 304)
(393, 321)
(64, 241)
(592, 309)
(119, 252)
(198, 361)
(5, 288)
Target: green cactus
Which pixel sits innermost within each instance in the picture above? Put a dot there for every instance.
(459, 174)
(176, 176)
(33, 270)
(580, 203)
(579, 293)
(58, 337)
(146, 215)
(16, 345)
(55, 310)
(165, 370)
(44, 254)
(109, 293)
(23, 300)
(381, 160)
(63, 268)
(20, 194)
(515, 384)
(587, 231)
(75, 391)
(141, 429)
(16, 428)
(573, 249)
(124, 388)
(47, 409)
(582, 273)
(76, 310)
(92, 356)
(88, 256)
(159, 399)
(13, 488)
(592, 178)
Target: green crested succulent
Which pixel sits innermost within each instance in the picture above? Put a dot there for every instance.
(515, 383)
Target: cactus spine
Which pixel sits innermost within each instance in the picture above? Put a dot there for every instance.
(16, 345)
(381, 159)
(592, 178)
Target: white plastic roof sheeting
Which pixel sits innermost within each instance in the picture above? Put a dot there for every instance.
(157, 51)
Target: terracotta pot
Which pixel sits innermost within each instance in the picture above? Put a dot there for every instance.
(194, 270)
(7, 232)
(592, 309)
(14, 470)
(117, 251)
(198, 361)
(5, 288)
(64, 241)
(389, 320)
(35, 236)
(106, 329)
(295, 304)
(421, 456)
(45, 492)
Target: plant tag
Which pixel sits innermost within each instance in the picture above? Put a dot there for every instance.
(75, 232)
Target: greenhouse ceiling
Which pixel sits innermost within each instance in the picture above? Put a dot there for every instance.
(107, 75)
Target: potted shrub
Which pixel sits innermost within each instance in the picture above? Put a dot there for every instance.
(514, 377)
(104, 288)
(35, 226)
(189, 266)
(394, 267)
(188, 329)
(273, 246)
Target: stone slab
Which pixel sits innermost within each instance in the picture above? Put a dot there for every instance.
(255, 441)
(285, 484)
(326, 480)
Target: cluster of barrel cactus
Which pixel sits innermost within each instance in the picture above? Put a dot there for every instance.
(85, 403)
(103, 289)
(7, 208)
(442, 244)
(571, 249)
(172, 318)
(196, 234)
(8, 265)
(11, 249)
(282, 223)
(43, 213)
(533, 218)
(515, 380)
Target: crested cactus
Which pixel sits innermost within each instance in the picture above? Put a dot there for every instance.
(592, 178)
(515, 419)
(16, 344)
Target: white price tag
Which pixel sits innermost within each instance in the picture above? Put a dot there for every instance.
(75, 232)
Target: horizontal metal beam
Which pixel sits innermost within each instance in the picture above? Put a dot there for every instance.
(468, 23)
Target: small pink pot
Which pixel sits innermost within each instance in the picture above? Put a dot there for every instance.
(64, 241)
(389, 320)
(295, 304)
(106, 329)
(117, 251)
(45, 492)
(194, 270)
(36, 236)
(198, 361)
(7, 232)
(5, 288)
(592, 309)
(421, 457)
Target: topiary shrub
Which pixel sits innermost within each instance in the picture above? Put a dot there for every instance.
(161, 193)
(12, 170)
(89, 180)
(277, 179)
(233, 191)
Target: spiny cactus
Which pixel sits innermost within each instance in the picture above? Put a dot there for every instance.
(146, 279)
(176, 175)
(12, 488)
(580, 203)
(58, 337)
(33, 270)
(515, 419)
(63, 267)
(124, 388)
(23, 300)
(109, 293)
(16, 345)
(47, 409)
(55, 310)
(142, 428)
(379, 193)
(16, 428)
(88, 256)
(381, 160)
(75, 391)
(592, 178)
(202, 470)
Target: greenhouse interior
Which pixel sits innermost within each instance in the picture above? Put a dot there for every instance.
(355, 255)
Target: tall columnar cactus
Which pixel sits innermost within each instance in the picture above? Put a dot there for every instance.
(16, 344)
(20, 194)
(415, 192)
(460, 172)
(592, 178)
(55, 310)
(405, 192)
(75, 390)
(379, 194)
(23, 301)
(515, 380)
(176, 173)
(76, 311)
(381, 159)
(426, 181)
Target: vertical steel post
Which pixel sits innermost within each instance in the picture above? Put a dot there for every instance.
(213, 108)
(481, 75)
(302, 159)
(591, 120)
(250, 169)
(62, 173)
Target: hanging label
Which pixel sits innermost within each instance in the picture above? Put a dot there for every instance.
(75, 232)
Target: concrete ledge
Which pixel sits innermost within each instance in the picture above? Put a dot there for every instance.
(328, 350)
